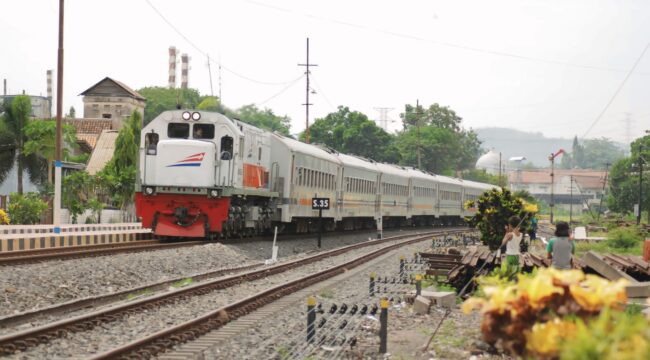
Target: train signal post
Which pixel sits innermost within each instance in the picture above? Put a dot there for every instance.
(320, 204)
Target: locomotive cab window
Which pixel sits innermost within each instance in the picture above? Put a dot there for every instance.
(178, 130)
(226, 147)
(203, 131)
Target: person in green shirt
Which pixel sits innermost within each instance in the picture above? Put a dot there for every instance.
(561, 247)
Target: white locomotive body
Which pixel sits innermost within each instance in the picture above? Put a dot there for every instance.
(202, 174)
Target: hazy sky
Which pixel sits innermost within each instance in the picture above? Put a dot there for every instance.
(548, 66)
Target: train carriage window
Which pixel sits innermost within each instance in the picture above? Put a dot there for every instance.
(299, 178)
(178, 130)
(259, 153)
(226, 147)
(203, 131)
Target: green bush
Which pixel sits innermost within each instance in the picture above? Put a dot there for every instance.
(26, 208)
(624, 238)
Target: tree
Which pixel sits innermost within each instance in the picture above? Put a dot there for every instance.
(161, 99)
(592, 154)
(210, 103)
(264, 119)
(72, 113)
(494, 208)
(624, 178)
(41, 135)
(16, 116)
(77, 191)
(351, 132)
(119, 174)
(445, 147)
(480, 175)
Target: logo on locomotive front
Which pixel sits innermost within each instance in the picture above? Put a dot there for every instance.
(192, 160)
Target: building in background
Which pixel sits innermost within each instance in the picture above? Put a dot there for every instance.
(111, 100)
(41, 105)
(580, 186)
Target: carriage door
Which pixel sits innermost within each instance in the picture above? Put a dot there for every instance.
(225, 168)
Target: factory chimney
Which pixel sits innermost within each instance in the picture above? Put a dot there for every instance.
(172, 67)
(184, 70)
(49, 93)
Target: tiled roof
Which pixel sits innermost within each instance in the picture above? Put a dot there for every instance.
(134, 94)
(103, 151)
(588, 179)
(87, 139)
(90, 126)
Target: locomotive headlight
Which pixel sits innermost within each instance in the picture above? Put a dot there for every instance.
(187, 115)
(149, 190)
(196, 116)
(213, 193)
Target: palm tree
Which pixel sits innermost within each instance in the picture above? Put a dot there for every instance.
(16, 116)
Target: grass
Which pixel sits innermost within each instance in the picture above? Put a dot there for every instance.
(141, 293)
(327, 294)
(182, 283)
(626, 241)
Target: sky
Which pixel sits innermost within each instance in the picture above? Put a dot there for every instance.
(559, 67)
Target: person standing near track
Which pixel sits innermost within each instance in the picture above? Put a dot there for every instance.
(532, 231)
(561, 248)
(512, 241)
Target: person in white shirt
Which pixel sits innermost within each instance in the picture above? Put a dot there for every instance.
(512, 241)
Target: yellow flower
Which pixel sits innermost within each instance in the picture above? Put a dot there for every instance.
(472, 304)
(567, 277)
(543, 340)
(538, 288)
(4, 218)
(594, 293)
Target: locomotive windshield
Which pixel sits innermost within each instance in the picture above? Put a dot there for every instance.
(178, 130)
(203, 131)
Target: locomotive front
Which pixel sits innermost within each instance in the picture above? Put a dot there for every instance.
(187, 159)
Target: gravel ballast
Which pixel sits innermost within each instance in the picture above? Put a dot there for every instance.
(34, 286)
(107, 336)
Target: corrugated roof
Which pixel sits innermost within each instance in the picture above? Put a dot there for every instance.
(103, 152)
(132, 93)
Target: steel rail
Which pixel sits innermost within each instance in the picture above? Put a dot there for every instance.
(158, 342)
(42, 334)
(75, 252)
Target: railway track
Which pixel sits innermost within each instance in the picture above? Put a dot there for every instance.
(75, 252)
(29, 338)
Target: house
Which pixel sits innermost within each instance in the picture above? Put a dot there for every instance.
(580, 186)
(112, 100)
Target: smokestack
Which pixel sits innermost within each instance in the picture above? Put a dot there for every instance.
(172, 67)
(49, 93)
(184, 70)
(49, 84)
(5, 83)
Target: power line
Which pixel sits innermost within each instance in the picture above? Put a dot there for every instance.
(441, 43)
(618, 90)
(320, 91)
(205, 54)
(290, 84)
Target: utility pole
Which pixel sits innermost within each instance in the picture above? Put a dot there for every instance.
(220, 98)
(552, 159)
(602, 195)
(571, 204)
(59, 112)
(210, 74)
(307, 104)
(638, 216)
(417, 125)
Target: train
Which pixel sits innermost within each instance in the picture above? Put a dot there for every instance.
(201, 174)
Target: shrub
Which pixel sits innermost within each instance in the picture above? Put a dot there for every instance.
(26, 208)
(494, 208)
(624, 238)
(541, 315)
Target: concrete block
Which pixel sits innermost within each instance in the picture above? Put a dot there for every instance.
(638, 290)
(421, 305)
(446, 299)
(597, 263)
(580, 233)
